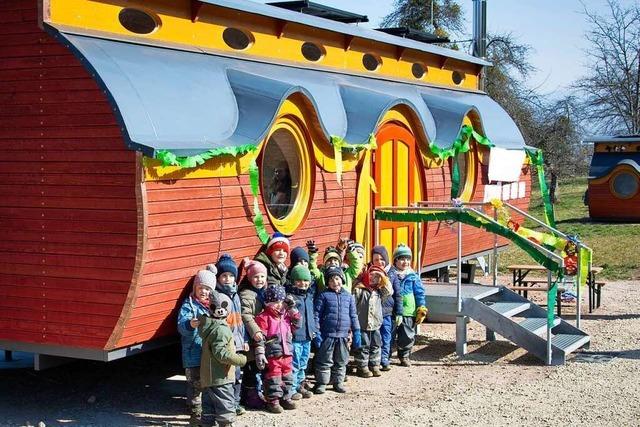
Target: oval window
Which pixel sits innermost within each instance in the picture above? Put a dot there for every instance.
(237, 39)
(371, 62)
(418, 70)
(464, 162)
(457, 77)
(625, 185)
(137, 21)
(312, 52)
(286, 175)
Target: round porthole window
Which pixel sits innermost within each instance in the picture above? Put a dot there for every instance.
(466, 172)
(418, 70)
(457, 77)
(138, 21)
(236, 38)
(624, 185)
(286, 181)
(371, 62)
(312, 52)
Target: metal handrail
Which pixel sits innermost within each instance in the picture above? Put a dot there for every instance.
(548, 253)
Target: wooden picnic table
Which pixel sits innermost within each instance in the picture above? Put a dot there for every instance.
(520, 271)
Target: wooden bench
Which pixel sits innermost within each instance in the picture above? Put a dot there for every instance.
(595, 295)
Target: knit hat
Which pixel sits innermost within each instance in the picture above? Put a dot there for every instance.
(298, 254)
(205, 278)
(357, 247)
(275, 293)
(331, 252)
(254, 267)
(278, 241)
(402, 251)
(219, 309)
(333, 271)
(300, 272)
(382, 251)
(226, 265)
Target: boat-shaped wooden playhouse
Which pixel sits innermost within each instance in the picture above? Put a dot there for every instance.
(132, 132)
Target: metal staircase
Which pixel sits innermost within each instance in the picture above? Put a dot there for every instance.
(525, 324)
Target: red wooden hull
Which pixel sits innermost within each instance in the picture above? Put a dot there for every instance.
(603, 205)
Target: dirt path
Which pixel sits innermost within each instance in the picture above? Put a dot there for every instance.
(496, 384)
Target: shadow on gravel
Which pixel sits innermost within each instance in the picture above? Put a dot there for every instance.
(606, 316)
(126, 392)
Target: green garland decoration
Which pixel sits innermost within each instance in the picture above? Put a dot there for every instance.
(340, 145)
(258, 219)
(475, 220)
(168, 158)
(462, 144)
(536, 158)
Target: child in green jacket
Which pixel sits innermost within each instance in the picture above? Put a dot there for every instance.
(332, 258)
(219, 361)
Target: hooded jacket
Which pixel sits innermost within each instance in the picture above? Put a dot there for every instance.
(369, 306)
(335, 313)
(190, 341)
(277, 328)
(234, 319)
(218, 353)
(392, 304)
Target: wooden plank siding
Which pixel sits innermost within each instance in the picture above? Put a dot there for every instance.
(441, 238)
(604, 205)
(68, 215)
(191, 222)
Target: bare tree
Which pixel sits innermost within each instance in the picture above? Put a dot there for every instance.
(611, 88)
(448, 16)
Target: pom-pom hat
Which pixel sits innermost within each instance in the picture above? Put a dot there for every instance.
(402, 251)
(278, 241)
(275, 293)
(254, 267)
(226, 264)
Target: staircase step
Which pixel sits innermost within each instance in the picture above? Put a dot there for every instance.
(569, 342)
(508, 309)
(538, 325)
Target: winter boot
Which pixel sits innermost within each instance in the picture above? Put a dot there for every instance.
(240, 410)
(385, 368)
(375, 370)
(364, 372)
(274, 407)
(405, 361)
(195, 420)
(296, 396)
(287, 404)
(251, 399)
(339, 387)
(319, 389)
(306, 394)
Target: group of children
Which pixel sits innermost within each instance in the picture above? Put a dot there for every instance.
(250, 344)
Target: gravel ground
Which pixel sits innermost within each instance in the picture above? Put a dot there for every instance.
(496, 384)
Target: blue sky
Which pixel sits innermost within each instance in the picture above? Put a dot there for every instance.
(553, 28)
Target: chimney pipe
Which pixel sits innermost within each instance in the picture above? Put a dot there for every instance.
(480, 28)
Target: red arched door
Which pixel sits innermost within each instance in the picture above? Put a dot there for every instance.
(398, 180)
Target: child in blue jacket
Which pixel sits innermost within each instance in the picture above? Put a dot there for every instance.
(302, 288)
(414, 308)
(335, 313)
(196, 304)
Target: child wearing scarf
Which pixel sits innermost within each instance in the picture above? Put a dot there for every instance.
(252, 292)
(196, 304)
(226, 273)
(369, 292)
(274, 258)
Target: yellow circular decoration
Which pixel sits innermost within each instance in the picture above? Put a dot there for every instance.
(287, 146)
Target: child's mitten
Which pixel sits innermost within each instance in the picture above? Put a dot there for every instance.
(357, 339)
(261, 359)
(311, 247)
(317, 340)
(421, 314)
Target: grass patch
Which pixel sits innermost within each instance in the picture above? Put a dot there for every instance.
(616, 246)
